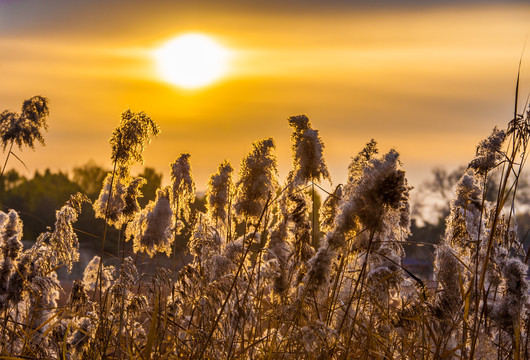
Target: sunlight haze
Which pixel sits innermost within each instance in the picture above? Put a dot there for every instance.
(191, 61)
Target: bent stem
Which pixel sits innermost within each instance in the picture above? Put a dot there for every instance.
(7, 158)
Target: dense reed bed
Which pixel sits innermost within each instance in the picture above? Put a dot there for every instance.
(262, 284)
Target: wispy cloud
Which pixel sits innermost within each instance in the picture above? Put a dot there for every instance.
(413, 77)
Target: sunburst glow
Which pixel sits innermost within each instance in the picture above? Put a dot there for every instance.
(192, 60)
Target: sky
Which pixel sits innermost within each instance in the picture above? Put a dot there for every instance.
(428, 78)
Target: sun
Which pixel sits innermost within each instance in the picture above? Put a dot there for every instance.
(192, 61)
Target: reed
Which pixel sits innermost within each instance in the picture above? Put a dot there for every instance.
(262, 284)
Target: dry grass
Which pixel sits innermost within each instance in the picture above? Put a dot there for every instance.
(261, 285)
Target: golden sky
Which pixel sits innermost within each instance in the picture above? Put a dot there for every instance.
(429, 81)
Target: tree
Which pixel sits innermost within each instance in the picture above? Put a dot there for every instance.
(37, 200)
(436, 193)
(154, 181)
(89, 178)
(10, 180)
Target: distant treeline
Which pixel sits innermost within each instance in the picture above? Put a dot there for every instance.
(37, 198)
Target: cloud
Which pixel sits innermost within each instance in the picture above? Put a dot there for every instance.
(28, 15)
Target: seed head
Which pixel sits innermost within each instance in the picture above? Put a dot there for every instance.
(123, 203)
(447, 268)
(91, 274)
(488, 153)
(355, 169)
(317, 276)
(308, 160)
(25, 128)
(152, 228)
(10, 235)
(218, 192)
(132, 194)
(508, 312)
(329, 209)
(183, 186)
(381, 190)
(63, 240)
(78, 298)
(257, 179)
(131, 136)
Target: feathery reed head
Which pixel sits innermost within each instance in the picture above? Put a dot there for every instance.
(308, 160)
(131, 136)
(25, 128)
(152, 228)
(11, 235)
(90, 275)
(132, 193)
(257, 180)
(381, 190)
(183, 186)
(488, 152)
(219, 192)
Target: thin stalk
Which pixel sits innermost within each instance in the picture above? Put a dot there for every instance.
(338, 278)
(4, 327)
(360, 279)
(475, 274)
(255, 330)
(501, 198)
(242, 263)
(15, 323)
(516, 183)
(362, 276)
(337, 284)
(232, 337)
(122, 303)
(104, 238)
(313, 241)
(257, 264)
(175, 206)
(7, 158)
(229, 218)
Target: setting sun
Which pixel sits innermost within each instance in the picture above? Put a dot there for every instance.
(191, 61)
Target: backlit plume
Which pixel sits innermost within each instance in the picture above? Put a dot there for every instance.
(257, 181)
(25, 128)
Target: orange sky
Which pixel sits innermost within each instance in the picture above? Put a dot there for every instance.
(428, 81)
